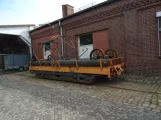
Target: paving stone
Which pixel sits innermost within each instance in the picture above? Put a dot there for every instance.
(147, 100)
(149, 95)
(135, 103)
(154, 102)
(153, 106)
(159, 100)
(159, 91)
(146, 105)
(130, 100)
(158, 107)
(140, 106)
(140, 102)
(26, 97)
(155, 110)
(126, 103)
(147, 108)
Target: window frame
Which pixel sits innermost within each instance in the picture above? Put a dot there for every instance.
(85, 41)
(45, 46)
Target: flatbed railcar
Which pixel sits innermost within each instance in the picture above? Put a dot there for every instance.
(79, 70)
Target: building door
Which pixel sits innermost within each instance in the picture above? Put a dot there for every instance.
(100, 40)
(85, 45)
(39, 51)
(46, 50)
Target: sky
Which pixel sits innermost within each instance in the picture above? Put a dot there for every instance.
(36, 11)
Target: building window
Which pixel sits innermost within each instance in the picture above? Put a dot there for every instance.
(86, 39)
(46, 46)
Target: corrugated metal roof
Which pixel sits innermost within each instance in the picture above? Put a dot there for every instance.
(21, 25)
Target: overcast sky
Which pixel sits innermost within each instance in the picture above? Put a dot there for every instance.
(35, 11)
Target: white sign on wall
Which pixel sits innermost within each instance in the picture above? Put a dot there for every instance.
(158, 14)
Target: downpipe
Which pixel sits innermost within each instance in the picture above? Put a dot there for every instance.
(159, 42)
(62, 41)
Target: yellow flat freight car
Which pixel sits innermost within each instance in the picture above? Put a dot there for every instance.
(83, 70)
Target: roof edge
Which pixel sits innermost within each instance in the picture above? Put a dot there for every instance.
(17, 25)
(75, 14)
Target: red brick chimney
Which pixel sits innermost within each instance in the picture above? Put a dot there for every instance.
(67, 10)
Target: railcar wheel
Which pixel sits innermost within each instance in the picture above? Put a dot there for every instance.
(90, 79)
(21, 68)
(97, 54)
(110, 53)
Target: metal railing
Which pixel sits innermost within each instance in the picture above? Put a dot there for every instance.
(85, 7)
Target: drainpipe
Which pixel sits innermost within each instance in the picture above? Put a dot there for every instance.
(61, 37)
(159, 42)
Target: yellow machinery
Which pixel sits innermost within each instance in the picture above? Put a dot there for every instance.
(100, 65)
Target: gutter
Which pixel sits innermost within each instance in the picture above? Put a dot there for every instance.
(62, 41)
(28, 43)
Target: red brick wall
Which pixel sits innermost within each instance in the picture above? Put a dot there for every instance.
(45, 35)
(132, 32)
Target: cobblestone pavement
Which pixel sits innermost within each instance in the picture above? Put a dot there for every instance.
(24, 97)
(143, 79)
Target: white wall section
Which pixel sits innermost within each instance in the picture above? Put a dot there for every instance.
(17, 30)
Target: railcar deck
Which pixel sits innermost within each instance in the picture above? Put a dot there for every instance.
(80, 70)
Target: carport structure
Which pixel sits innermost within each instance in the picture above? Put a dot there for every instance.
(15, 46)
(14, 52)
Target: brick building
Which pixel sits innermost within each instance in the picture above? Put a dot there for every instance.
(131, 27)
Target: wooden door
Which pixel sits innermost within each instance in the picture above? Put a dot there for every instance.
(39, 51)
(100, 40)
